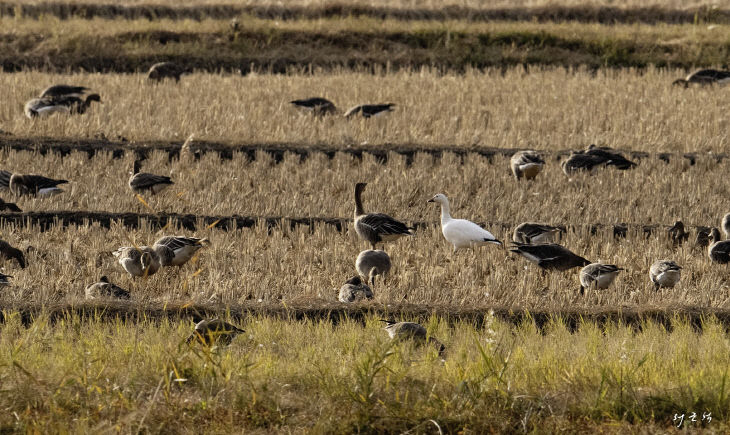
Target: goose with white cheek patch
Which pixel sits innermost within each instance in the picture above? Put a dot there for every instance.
(460, 232)
(141, 182)
(598, 276)
(34, 185)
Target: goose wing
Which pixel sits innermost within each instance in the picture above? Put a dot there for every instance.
(144, 180)
(549, 256)
(177, 243)
(312, 103)
(610, 157)
(61, 90)
(530, 230)
(527, 157)
(384, 224)
(38, 182)
(369, 110)
(5, 179)
(466, 231)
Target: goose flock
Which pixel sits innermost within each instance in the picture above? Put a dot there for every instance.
(536, 242)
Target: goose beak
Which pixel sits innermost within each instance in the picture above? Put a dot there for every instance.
(431, 200)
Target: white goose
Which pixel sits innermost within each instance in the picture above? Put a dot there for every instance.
(460, 232)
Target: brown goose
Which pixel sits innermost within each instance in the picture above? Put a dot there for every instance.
(598, 275)
(40, 107)
(141, 182)
(370, 263)
(550, 256)
(677, 234)
(719, 250)
(526, 164)
(317, 105)
(354, 290)
(34, 185)
(138, 262)
(63, 91)
(410, 330)
(533, 233)
(215, 331)
(177, 250)
(7, 252)
(369, 110)
(703, 236)
(376, 227)
(105, 289)
(163, 70)
(9, 206)
(704, 77)
(665, 273)
(594, 157)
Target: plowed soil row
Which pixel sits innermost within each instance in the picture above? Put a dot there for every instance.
(278, 150)
(336, 312)
(604, 14)
(192, 222)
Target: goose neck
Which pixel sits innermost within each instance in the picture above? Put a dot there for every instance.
(359, 211)
(445, 212)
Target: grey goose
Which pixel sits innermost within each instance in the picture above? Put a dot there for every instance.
(719, 250)
(594, 157)
(317, 105)
(8, 252)
(141, 182)
(40, 107)
(411, 331)
(376, 227)
(177, 250)
(677, 234)
(63, 91)
(549, 256)
(214, 331)
(163, 70)
(369, 110)
(598, 276)
(665, 273)
(34, 185)
(138, 262)
(704, 77)
(105, 289)
(354, 290)
(371, 263)
(526, 164)
(9, 206)
(535, 233)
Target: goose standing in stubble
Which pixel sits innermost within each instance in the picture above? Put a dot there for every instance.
(665, 273)
(354, 290)
(141, 182)
(534, 233)
(461, 233)
(549, 256)
(177, 250)
(719, 250)
(41, 107)
(704, 77)
(677, 234)
(526, 164)
(598, 276)
(317, 105)
(371, 263)
(105, 289)
(376, 227)
(34, 185)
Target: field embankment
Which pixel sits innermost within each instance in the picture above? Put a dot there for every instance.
(100, 45)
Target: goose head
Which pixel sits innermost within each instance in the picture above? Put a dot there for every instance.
(146, 260)
(93, 97)
(355, 280)
(136, 167)
(359, 187)
(104, 279)
(715, 235)
(439, 198)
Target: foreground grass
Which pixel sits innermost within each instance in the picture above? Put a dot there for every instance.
(86, 375)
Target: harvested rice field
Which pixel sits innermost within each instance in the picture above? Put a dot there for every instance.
(239, 323)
